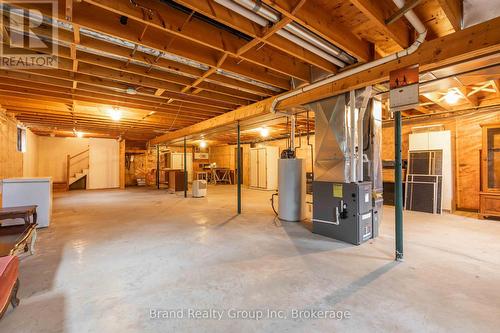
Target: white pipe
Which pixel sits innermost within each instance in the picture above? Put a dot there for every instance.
(244, 12)
(414, 21)
(296, 34)
(352, 132)
(312, 48)
(315, 41)
(362, 111)
(292, 133)
(251, 5)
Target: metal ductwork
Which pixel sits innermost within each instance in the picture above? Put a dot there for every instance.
(414, 21)
(347, 187)
(295, 33)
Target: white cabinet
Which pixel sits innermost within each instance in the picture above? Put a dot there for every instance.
(27, 192)
(176, 161)
(264, 167)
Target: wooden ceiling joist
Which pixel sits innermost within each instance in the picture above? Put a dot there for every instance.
(479, 40)
(197, 40)
(378, 12)
(322, 23)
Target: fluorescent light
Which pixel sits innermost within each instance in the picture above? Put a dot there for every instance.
(451, 97)
(264, 132)
(115, 114)
(79, 134)
(203, 144)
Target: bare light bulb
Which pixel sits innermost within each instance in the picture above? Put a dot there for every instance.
(264, 132)
(203, 144)
(115, 114)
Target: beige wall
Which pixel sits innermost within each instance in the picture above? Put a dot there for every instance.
(104, 166)
(30, 156)
(52, 155)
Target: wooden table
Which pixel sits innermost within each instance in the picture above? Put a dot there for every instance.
(221, 175)
(20, 212)
(16, 239)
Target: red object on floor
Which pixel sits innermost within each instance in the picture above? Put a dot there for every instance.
(9, 272)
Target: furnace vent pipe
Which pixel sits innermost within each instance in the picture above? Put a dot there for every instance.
(414, 21)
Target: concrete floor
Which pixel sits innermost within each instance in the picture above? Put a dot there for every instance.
(109, 257)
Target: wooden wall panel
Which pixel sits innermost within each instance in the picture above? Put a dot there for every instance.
(466, 143)
(11, 161)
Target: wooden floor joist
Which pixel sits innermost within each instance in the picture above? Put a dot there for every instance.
(467, 44)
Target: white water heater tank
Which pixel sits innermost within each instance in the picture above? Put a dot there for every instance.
(291, 189)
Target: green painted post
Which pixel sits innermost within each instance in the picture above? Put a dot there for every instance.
(398, 186)
(185, 169)
(238, 154)
(158, 167)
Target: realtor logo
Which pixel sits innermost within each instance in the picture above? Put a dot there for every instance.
(27, 33)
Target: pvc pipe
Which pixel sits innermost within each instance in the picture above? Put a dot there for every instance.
(414, 21)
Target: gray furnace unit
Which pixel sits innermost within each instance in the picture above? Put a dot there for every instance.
(347, 187)
(343, 211)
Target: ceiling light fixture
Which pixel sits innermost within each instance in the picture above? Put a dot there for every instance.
(451, 97)
(79, 134)
(131, 91)
(203, 144)
(264, 132)
(115, 114)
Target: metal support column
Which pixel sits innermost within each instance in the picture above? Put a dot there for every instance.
(238, 157)
(185, 169)
(158, 167)
(398, 186)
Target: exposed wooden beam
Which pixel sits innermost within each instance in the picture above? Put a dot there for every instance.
(378, 12)
(222, 14)
(401, 12)
(196, 31)
(321, 22)
(496, 85)
(453, 9)
(467, 44)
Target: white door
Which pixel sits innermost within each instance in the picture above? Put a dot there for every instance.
(254, 173)
(262, 167)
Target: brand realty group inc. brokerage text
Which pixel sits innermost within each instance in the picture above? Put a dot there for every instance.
(248, 314)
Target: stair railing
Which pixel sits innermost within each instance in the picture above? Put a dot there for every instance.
(72, 161)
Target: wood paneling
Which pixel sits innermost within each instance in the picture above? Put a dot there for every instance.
(11, 161)
(466, 143)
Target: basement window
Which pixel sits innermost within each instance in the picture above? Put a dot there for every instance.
(21, 139)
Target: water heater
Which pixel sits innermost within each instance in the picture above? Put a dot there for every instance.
(291, 189)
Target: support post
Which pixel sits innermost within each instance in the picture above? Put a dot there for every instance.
(398, 186)
(158, 167)
(238, 158)
(185, 169)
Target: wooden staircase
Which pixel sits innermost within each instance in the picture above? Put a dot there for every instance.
(77, 167)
